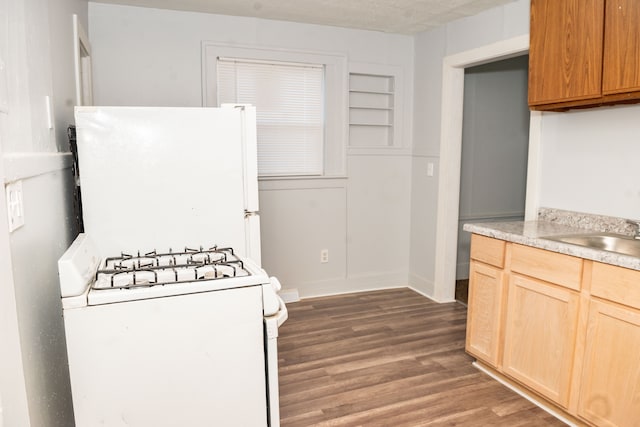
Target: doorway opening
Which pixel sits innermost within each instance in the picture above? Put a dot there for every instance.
(495, 140)
(450, 156)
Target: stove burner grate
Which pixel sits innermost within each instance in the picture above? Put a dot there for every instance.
(153, 268)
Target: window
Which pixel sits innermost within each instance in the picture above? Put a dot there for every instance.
(289, 103)
(331, 157)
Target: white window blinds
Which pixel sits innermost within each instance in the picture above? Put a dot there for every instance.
(289, 101)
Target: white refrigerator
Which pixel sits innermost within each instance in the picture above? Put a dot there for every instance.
(163, 177)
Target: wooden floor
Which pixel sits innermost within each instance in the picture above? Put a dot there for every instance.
(388, 358)
(462, 291)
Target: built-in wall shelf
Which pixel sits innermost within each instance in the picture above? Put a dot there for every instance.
(371, 110)
(362, 107)
(379, 92)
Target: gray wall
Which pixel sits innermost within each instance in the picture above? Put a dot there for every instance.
(587, 156)
(590, 161)
(494, 25)
(38, 52)
(495, 141)
(152, 57)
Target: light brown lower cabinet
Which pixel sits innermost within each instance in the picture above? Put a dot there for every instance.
(540, 336)
(564, 328)
(610, 383)
(486, 290)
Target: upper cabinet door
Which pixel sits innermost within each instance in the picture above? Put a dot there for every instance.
(621, 47)
(565, 57)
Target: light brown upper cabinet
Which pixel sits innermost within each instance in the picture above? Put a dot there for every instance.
(621, 72)
(565, 53)
(584, 53)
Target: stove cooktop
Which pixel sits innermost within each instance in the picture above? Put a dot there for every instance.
(169, 267)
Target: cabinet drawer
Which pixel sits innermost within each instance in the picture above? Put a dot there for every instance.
(488, 250)
(616, 284)
(560, 269)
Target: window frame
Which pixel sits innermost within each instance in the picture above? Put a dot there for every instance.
(336, 94)
(303, 154)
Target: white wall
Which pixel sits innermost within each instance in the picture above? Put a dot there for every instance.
(152, 57)
(13, 394)
(34, 382)
(431, 48)
(587, 157)
(590, 161)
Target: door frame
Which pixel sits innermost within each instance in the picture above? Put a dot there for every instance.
(82, 64)
(447, 215)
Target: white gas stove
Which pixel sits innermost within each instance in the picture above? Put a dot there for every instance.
(159, 333)
(152, 305)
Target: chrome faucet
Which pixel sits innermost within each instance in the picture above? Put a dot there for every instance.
(636, 224)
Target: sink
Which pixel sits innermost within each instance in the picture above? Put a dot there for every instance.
(604, 241)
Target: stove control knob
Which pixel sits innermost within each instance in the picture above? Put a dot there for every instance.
(275, 283)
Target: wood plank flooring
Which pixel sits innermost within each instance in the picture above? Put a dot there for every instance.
(462, 291)
(388, 358)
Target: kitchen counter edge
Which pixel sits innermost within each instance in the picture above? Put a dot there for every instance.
(533, 233)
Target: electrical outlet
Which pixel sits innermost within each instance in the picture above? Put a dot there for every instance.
(15, 208)
(324, 256)
(429, 169)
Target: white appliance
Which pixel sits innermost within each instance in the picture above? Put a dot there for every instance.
(169, 318)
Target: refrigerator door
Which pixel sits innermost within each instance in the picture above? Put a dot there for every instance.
(155, 177)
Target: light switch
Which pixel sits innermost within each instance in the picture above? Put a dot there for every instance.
(15, 207)
(429, 169)
(49, 112)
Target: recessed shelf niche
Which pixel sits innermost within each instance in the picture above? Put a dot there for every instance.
(371, 110)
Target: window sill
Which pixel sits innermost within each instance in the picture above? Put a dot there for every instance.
(301, 182)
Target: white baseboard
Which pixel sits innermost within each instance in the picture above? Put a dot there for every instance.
(361, 283)
(356, 283)
(418, 291)
(289, 295)
(425, 287)
(421, 284)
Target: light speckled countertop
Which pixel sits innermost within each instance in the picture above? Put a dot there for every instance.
(532, 233)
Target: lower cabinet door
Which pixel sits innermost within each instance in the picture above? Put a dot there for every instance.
(486, 290)
(610, 386)
(540, 336)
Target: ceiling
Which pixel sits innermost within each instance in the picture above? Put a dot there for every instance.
(391, 16)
